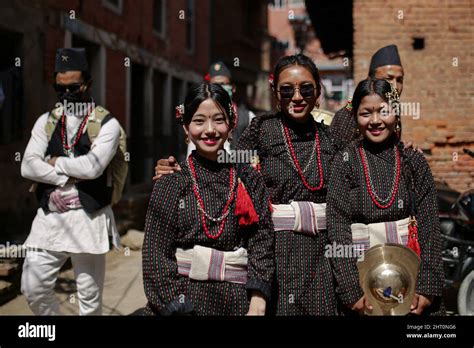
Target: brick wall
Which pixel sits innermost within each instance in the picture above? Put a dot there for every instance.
(445, 92)
(279, 25)
(135, 25)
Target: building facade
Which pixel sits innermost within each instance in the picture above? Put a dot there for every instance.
(144, 55)
(435, 40)
(290, 26)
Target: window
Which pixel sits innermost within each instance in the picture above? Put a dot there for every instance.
(280, 45)
(137, 142)
(12, 115)
(190, 25)
(296, 3)
(159, 17)
(278, 4)
(161, 147)
(114, 5)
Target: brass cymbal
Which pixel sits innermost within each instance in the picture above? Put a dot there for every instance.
(388, 275)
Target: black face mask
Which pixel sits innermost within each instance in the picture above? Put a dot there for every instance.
(69, 93)
(71, 97)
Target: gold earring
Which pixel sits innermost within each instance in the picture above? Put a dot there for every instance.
(398, 129)
(186, 140)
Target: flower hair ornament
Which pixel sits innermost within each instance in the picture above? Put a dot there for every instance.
(179, 113)
(349, 104)
(207, 77)
(271, 80)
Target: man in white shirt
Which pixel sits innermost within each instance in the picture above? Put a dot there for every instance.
(74, 190)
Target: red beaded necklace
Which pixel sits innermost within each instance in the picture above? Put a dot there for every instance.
(77, 136)
(204, 215)
(297, 164)
(369, 186)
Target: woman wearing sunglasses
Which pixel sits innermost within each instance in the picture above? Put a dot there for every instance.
(294, 157)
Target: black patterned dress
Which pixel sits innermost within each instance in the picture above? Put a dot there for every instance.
(349, 202)
(304, 283)
(343, 125)
(174, 221)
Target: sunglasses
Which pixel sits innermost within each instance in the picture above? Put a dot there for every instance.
(72, 88)
(306, 91)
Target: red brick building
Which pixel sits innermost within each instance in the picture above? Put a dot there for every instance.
(282, 14)
(435, 40)
(290, 26)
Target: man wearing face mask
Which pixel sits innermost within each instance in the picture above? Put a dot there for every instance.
(220, 73)
(385, 64)
(68, 156)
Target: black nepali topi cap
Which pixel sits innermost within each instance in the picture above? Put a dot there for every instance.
(387, 55)
(219, 69)
(71, 59)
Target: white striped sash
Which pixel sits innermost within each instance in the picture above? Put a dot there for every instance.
(202, 263)
(302, 217)
(366, 236)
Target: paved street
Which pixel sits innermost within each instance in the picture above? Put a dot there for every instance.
(123, 291)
